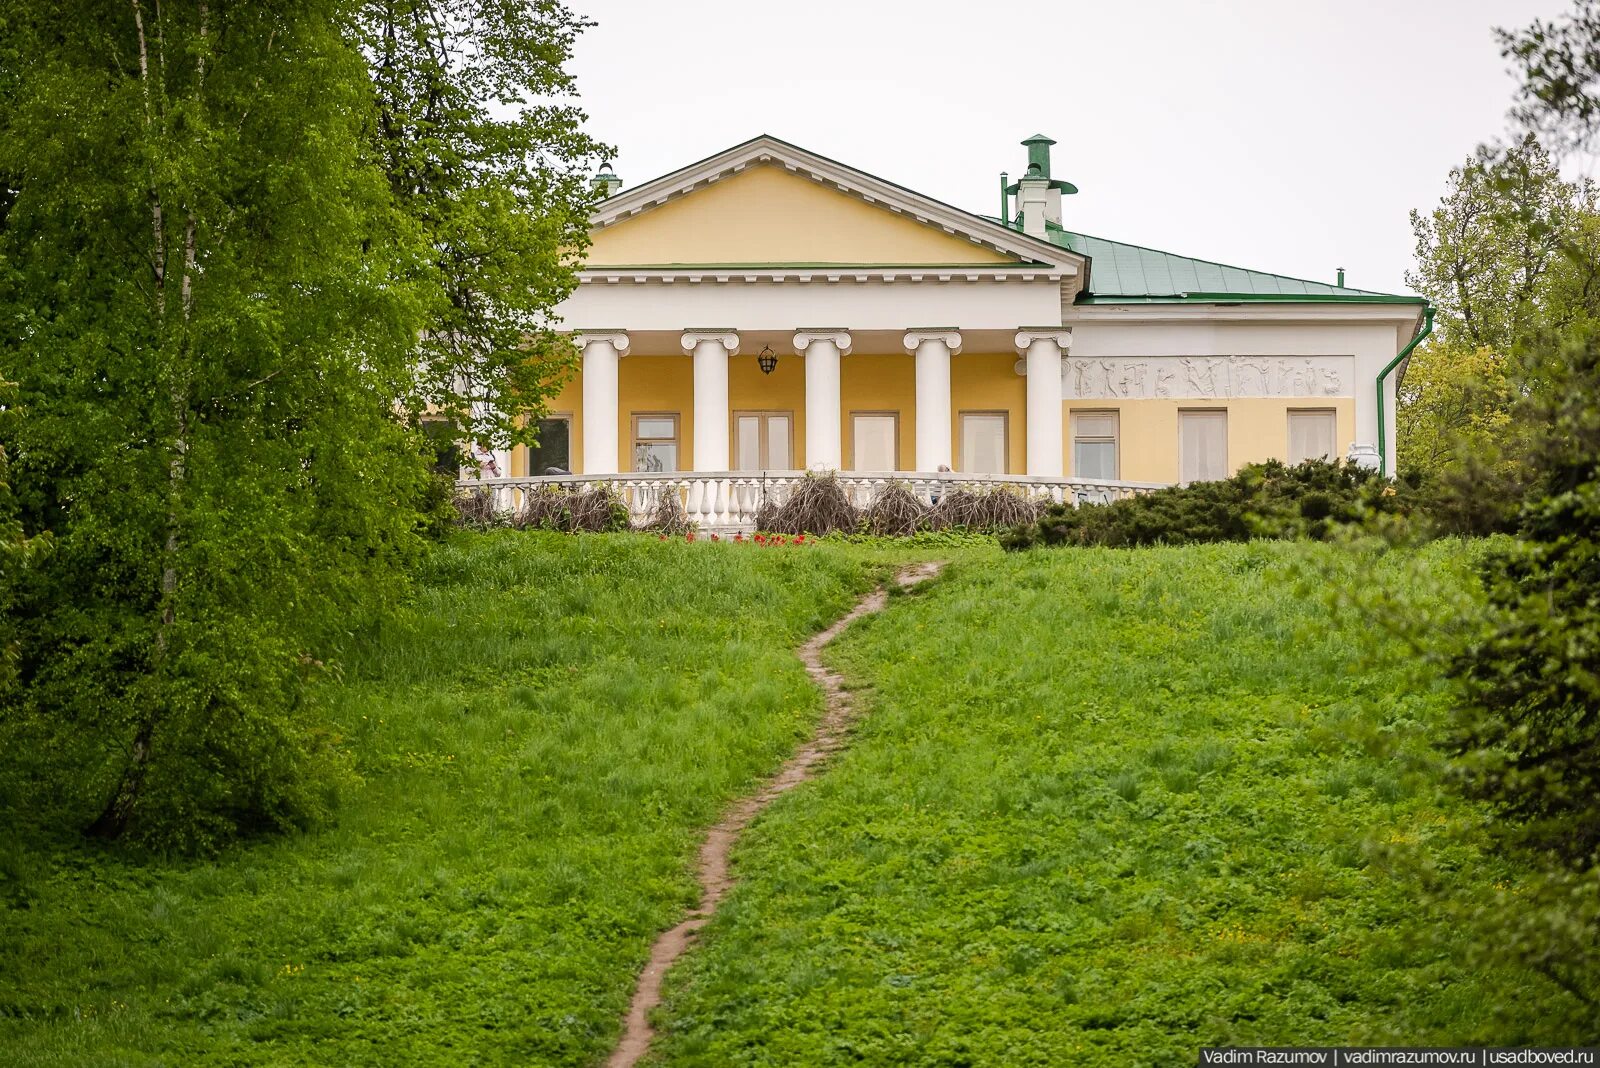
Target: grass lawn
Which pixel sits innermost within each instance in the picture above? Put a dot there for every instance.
(542, 737)
(1109, 806)
(1105, 806)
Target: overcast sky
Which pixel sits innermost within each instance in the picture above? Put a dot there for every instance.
(1291, 136)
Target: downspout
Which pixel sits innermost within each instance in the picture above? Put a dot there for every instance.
(1427, 328)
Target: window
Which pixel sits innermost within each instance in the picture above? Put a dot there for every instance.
(761, 441)
(554, 447)
(655, 442)
(875, 437)
(983, 443)
(1311, 434)
(1094, 445)
(1203, 445)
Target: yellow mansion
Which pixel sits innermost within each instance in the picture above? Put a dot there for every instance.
(768, 311)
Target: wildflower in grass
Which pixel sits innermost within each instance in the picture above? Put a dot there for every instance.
(689, 536)
(715, 538)
(800, 539)
(738, 536)
(761, 539)
(663, 537)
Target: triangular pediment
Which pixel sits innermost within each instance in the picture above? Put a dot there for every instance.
(770, 204)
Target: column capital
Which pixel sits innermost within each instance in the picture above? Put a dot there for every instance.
(804, 337)
(693, 339)
(947, 334)
(617, 339)
(1027, 335)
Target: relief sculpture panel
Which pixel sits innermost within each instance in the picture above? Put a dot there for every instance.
(1207, 377)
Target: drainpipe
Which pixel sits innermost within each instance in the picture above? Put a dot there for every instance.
(1005, 200)
(1427, 328)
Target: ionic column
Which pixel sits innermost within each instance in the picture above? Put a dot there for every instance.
(710, 349)
(602, 349)
(824, 436)
(1042, 348)
(933, 349)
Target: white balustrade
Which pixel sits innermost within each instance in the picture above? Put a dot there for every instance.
(720, 501)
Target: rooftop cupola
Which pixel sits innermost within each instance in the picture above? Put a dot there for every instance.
(1039, 153)
(1039, 195)
(605, 182)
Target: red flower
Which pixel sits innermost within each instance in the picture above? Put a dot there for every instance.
(738, 536)
(715, 538)
(663, 537)
(761, 539)
(689, 536)
(800, 540)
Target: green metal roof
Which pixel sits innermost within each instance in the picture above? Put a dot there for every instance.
(1121, 273)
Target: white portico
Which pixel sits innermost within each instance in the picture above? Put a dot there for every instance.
(768, 310)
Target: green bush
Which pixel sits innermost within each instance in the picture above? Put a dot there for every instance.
(1271, 500)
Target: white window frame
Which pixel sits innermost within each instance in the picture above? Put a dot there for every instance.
(527, 450)
(1332, 416)
(763, 414)
(893, 415)
(1005, 439)
(1115, 439)
(676, 439)
(1215, 412)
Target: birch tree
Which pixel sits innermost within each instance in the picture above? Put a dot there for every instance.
(209, 310)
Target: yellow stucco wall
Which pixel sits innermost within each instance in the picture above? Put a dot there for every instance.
(989, 383)
(784, 390)
(1258, 429)
(649, 384)
(872, 383)
(568, 403)
(767, 215)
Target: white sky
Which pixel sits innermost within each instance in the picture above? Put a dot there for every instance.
(1290, 136)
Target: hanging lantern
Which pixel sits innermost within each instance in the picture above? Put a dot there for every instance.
(767, 359)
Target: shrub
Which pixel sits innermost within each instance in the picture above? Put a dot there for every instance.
(1270, 500)
(474, 508)
(895, 512)
(597, 510)
(817, 504)
(990, 509)
(668, 516)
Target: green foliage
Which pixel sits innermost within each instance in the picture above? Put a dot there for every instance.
(1269, 500)
(488, 164)
(223, 230)
(1107, 807)
(206, 364)
(1528, 736)
(541, 736)
(1559, 60)
(1511, 249)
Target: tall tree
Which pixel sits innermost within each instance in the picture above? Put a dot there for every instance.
(1558, 62)
(486, 156)
(1496, 257)
(209, 307)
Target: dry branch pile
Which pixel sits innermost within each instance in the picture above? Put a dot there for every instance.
(596, 510)
(990, 509)
(816, 504)
(668, 516)
(895, 512)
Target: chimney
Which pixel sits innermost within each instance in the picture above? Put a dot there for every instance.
(605, 182)
(1033, 191)
(1038, 194)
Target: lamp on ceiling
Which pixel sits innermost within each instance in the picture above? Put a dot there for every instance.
(767, 359)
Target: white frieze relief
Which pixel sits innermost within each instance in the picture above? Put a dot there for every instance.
(1207, 377)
